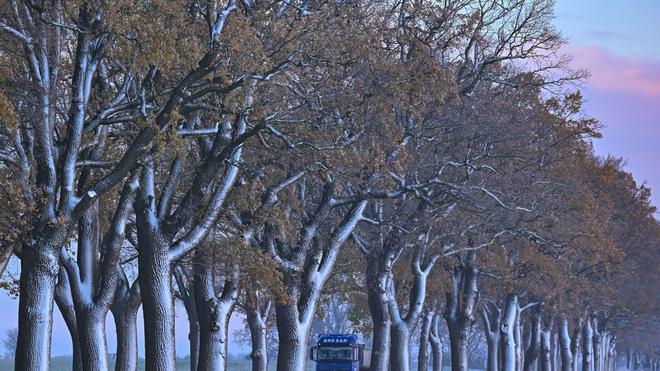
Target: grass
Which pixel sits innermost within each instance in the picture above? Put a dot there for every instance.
(64, 364)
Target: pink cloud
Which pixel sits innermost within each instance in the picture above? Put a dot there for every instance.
(613, 73)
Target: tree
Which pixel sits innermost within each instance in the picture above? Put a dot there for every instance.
(9, 342)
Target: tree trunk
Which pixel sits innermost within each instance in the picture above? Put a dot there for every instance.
(127, 343)
(379, 264)
(587, 347)
(436, 341)
(213, 334)
(459, 314)
(546, 350)
(258, 330)
(597, 346)
(157, 301)
(532, 353)
(193, 339)
(519, 339)
(293, 335)
(124, 309)
(400, 354)
(565, 345)
(64, 301)
(380, 355)
(213, 312)
(491, 316)
(613, 356)
(39, 268)
(186, 294)
(555, 352)
(507, 333)
(493, 354)
(458, 336)
(93, 344)
(424, 339)
(575, 345)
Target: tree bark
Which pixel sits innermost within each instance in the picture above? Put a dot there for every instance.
(491, 316)
(213, 335)
(93, 344)
(124, 309)
(186, 294)
(379, 272)
(293, 335)
(507, 333)
(597, 346)
(587, 347)
(436, 341)
(565, 345)
(532, 353)
(400, 353)
(39, 269)
(459, 314)
(127, 344)
(213, 313)
(402, 326)
(64, 301)
(424, 339)
(519, 339)
(546, 349)
(157, 299)
(257, 318)
(575, 344)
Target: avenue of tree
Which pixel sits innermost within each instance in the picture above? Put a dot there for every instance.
(417, 171)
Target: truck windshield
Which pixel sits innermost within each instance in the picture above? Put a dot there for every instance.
(335, 354)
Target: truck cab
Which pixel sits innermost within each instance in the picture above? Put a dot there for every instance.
(340, 352)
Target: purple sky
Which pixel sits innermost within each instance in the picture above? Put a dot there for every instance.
(617, 42)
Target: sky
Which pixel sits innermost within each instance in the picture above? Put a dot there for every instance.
(617, 41)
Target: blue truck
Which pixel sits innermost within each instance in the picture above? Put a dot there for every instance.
(340, 352)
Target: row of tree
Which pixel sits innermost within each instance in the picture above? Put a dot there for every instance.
(278, 154)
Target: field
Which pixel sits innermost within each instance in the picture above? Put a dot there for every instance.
(64, 364)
